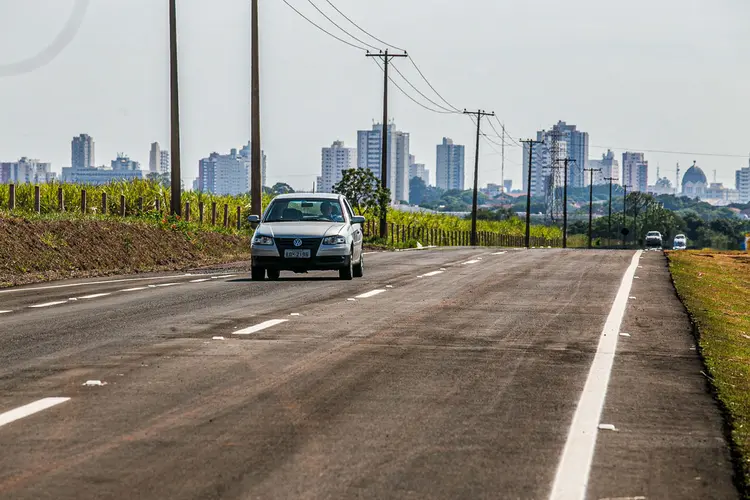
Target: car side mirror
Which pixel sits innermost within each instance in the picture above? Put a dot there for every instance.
(358, 219)
(253, 219)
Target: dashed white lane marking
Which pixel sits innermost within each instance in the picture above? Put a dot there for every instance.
(135, 289)
(369, 294)
(200, 280)
(433, 273)
(95, 296)
(49, 304)
(166, 284)
(5, 312)
(260, 326)
(474, 261)
(223, 277)
(29, 409)
(572, 477)
(499, 253)
(88, 283)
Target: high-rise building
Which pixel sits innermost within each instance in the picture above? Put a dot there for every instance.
(26, 171)
(165, 163)
(82, 151)
(577, 148)
(245, 153)
(419, 170)
(154, 157)
(635, 171)
(121, 168)
(742, 183)
(227, 174)
(333, 161)
(369, 150)
(450, 165)
(541, 163)
(508, 185)
(123, 163)
(610, 168)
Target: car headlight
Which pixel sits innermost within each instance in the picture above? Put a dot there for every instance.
(262, 240)
(334, 240)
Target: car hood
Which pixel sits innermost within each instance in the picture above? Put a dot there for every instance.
(300, 229)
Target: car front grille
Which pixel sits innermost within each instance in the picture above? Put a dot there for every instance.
(307, 244)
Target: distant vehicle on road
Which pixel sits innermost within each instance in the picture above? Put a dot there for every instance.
(653, 239)
(680, 242)
(306, 232)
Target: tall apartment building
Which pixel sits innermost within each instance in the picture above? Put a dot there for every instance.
(576, 144)
(165, 162)
(450, 165)
(742, 183)
(369, 150)
(333, 161)
(245, 152)
(227, 174)
(635, 171)
(154, 158)
(82, 151)
(26, 171)
(418, 170)
(541, 163)
(124, 163)
(610, 168)
(121, 168)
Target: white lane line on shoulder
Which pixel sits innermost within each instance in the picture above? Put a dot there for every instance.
(200, 280)
(89, 283)
(95, 296)
(474, 261)
(29, 409)
(369, 294)
(49, 304)
(260, 326)
(135, 289)
(499, 253)
(572, 477)
(433, 273)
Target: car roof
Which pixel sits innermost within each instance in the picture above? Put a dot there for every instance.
(310, 196)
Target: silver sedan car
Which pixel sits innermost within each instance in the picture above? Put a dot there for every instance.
(305, 232)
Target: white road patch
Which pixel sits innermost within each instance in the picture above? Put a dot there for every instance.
(94, 383)
(471, 261)
(624, 334)
(260, 326)
(607, 427)
(218, 338)
(200, 280)
(369, 294)
(499, 253)
(95, 296)
(29, 409)
(135, 289)
(389, 286)
(49, 304)
(434, 273)
(443, 269)
(572, 477)
(295, 314)
(631, 298)
(351, 300)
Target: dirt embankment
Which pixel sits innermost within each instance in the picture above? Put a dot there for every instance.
(42, 250)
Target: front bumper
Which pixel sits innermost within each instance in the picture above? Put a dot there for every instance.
(323, 257)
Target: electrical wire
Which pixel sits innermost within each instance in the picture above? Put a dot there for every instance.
(671, 152)
(339, 27)
(420, 93)
(407, 95)
(430, 85)
(323, 29)
(362, 29)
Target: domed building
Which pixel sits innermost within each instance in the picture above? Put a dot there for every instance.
(694, 182)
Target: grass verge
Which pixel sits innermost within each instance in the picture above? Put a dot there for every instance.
(715, 288)
(48, 247)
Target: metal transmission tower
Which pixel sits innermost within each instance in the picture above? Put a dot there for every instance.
(566, 161)
(384, 135)
(591, 197)
(479, 114)
(174, 101)
(554, 182)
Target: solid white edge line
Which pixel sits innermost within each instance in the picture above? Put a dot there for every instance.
(95, 296)
(369, 294)
(200, 280)
(572, 477)
(49, 304)
(135, 289)
(260, 326)
(89, 283)
(29, 409)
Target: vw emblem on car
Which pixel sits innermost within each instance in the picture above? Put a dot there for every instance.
(297, 242)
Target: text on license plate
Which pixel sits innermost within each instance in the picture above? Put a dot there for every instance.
(297, 254)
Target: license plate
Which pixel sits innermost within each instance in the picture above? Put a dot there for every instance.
(297, 254)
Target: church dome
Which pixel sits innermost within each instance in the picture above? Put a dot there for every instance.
(694, 175)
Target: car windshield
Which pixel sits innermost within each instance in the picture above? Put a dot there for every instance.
(304, 209)
(653, 233)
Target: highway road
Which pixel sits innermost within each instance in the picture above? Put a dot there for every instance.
(444, 373)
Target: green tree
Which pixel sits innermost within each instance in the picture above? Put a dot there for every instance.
(363, 190)
(417, 190)
(281, 188)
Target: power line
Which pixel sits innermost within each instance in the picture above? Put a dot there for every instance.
(671, 152)
(420, 93)
(339, 27)
(433, 88)
(362, 29)
(322, 29)
(410, 97)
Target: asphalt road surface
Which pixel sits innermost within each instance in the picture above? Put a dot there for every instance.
(451, 373)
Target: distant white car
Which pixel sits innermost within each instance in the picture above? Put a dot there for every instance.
(653, 239)
(680, 242)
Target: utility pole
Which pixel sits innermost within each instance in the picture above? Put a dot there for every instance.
(479, 114)
(565, 200)
(591, 198)
(384, 145)
(502, 164)
(609, 219)
(174, 101)
(256, 187)
(624, 213)
(531, 143)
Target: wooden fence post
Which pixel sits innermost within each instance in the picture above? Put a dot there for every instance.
(83, 201)
(213, 213)
(226, 215)
(200, 211)
(37, 200)
(60, 199)
(104, 203)
(391, 233)
(157, 205)
(187, 211)
(122, 205)
(140, 204)
(12, 197)
(239, 218)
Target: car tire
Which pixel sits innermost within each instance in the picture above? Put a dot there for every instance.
(273, 274)
(347, 272)
(257, 273)
(359, 268)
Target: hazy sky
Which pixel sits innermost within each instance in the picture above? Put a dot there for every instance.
(657, 74)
